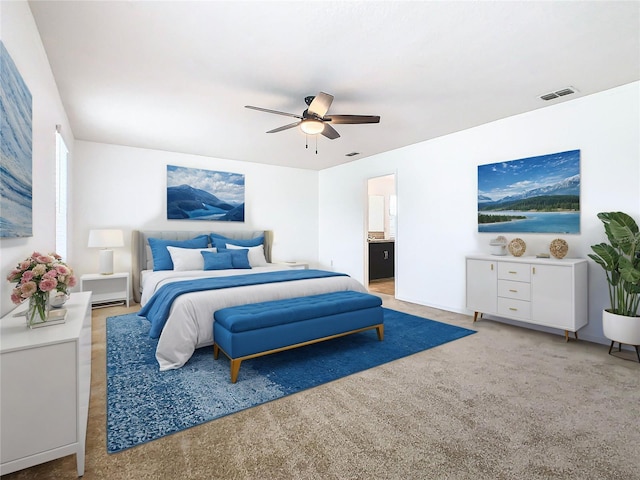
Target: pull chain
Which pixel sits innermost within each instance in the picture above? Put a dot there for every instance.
(306, 142)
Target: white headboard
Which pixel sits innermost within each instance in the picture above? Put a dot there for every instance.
(141, 258)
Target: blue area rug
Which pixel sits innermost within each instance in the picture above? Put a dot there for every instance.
(144, 404)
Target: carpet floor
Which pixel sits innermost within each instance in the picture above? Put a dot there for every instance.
(507, 403)
(145, 404)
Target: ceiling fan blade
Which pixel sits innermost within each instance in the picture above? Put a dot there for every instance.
(260, 109)
(285, 127)
(330, 132)
(352, 119)
(320, 105)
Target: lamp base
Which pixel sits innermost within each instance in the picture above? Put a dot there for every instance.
(106, 262)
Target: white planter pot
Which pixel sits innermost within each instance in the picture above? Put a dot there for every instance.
(621, 329)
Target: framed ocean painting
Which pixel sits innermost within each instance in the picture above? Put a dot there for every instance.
(16, 175)
(196, 194)
(531, 195)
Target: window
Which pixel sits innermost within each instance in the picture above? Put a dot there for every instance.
(62, 154)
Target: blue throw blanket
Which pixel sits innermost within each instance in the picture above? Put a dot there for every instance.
(159, 305)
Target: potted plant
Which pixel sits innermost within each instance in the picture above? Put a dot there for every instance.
(620, 259)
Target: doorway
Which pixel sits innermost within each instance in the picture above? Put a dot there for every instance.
(381, 234)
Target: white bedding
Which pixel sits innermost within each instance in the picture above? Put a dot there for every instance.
(190, 322)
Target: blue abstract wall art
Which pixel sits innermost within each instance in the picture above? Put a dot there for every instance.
(16, 172)
(196, 194)
(531, 195)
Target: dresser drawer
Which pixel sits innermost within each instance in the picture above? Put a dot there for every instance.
(515, 290)
(514, 308)
(520, 272)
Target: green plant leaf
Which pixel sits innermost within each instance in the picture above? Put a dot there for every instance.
(606, 256)
(621, 261)
(627, 271)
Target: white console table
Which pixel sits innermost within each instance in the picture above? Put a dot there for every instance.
(548, 292)
(45, 385)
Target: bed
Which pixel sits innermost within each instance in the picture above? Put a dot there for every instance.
(186, 321)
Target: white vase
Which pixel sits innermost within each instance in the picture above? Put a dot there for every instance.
(621, 329)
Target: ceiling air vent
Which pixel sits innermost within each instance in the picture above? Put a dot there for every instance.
(558, 93)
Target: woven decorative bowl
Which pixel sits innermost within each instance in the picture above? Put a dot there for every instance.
(517, 247)
(558, 248)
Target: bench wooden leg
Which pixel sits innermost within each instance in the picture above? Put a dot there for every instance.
(380, 330)
(235, 368)
(216, 351)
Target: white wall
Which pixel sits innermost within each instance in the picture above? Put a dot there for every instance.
(125, 187)
(21, 39)
(437, 188)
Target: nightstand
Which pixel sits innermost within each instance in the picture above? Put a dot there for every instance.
(294, 265)
(108, 290)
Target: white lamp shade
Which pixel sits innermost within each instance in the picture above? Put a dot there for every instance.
(106, 238)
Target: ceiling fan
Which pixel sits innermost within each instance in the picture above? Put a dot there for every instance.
(313, 119)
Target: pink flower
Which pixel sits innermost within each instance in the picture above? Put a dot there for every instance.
(48, 284)
(14, 275)
(63, 270)
(28, 289)
(44, 259)
(16, 296)
(40, 274)
(27, 276)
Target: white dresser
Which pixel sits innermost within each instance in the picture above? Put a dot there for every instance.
(45, 385)
(543, 291)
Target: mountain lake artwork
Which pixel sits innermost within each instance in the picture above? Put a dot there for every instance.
(531, 195)
(196, 194)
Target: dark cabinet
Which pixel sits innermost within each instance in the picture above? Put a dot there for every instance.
(381, 260)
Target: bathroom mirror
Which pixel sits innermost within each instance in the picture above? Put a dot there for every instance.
(376, 213)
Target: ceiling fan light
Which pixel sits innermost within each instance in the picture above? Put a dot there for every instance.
(311, 126)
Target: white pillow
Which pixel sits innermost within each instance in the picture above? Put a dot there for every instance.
(188, 258)
(256, 254)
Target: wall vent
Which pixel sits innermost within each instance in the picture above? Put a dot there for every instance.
(558, 93)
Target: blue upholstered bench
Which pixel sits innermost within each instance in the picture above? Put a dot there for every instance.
(253, 330)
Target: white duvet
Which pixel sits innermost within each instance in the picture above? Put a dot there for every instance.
(190, 322)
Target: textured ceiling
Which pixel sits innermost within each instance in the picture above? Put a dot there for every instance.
(176, 75)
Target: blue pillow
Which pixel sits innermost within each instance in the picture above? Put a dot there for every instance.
(239, 258)
(220, 241)
(162, 258)
(217, 261)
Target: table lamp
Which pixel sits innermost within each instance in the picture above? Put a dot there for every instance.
(106, 239)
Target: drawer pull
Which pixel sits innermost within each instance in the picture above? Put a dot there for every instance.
(513, 309)
(512, 272)
(513, 291)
